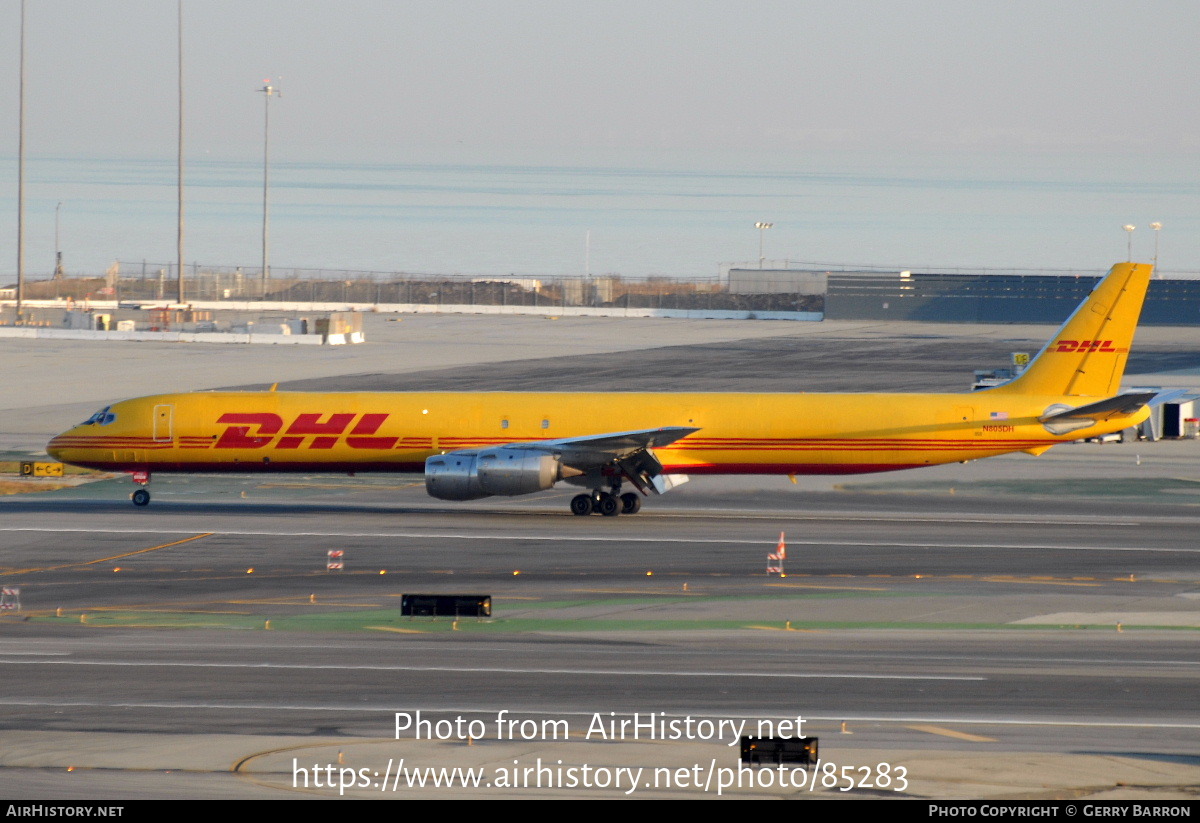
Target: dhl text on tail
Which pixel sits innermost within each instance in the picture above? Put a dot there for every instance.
(478, 444)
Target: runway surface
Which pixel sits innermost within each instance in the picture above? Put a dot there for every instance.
(924, 624)
(1018, 627)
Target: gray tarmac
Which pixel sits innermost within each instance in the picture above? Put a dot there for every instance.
(1014, 628)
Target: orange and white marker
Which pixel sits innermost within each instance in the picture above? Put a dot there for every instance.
(775, 559)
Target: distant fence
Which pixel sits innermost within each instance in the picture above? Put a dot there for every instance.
(136, 282)
(1012, 296)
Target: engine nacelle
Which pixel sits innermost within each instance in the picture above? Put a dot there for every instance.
(452, 477)
(469, 475)
(517, 471)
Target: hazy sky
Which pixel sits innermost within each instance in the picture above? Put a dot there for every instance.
(1074, 97)
(382, 79)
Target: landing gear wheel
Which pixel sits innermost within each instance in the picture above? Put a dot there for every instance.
(581, 505)
(631, 503)
(608, 505)
(140, 497)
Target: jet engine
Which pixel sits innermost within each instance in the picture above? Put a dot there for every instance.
(469, 475)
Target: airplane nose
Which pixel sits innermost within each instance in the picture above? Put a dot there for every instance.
(55, 446)
(60, 444)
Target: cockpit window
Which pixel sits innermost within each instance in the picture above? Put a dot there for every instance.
(102, 417)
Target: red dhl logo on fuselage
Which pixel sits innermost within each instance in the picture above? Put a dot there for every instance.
(1068, 346)
(321, 434)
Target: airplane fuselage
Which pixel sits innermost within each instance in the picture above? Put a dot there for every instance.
(739, 433)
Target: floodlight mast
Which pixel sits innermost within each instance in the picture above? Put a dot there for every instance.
(762, 228)
(268, 91)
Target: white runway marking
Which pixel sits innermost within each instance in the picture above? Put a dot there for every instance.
(487, 670)
(35, 654)
(486, 710)
(616, 537)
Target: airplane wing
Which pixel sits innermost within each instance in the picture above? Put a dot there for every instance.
(610, 445)
(628, 453)
(595, 461)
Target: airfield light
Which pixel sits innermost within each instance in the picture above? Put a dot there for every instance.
(1129, 242)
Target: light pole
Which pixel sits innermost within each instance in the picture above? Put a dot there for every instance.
(1129, 241)
(268, 91)
(179, 287)
(1157, 228)
(21, 176)
(762, 229)
(58, 266)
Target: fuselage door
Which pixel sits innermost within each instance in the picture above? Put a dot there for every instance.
(163, 418)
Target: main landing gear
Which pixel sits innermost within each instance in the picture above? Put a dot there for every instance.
(606, 503)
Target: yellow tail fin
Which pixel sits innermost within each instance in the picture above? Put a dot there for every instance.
(1087, 356)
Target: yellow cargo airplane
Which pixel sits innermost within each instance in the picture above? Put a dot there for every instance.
(478, 444)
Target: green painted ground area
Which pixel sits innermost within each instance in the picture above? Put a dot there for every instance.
(774, 598)
(384, 620)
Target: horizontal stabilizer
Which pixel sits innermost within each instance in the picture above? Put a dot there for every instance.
(1168, 396)
(1121, 404)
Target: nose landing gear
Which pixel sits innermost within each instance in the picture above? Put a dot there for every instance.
(141, 495)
